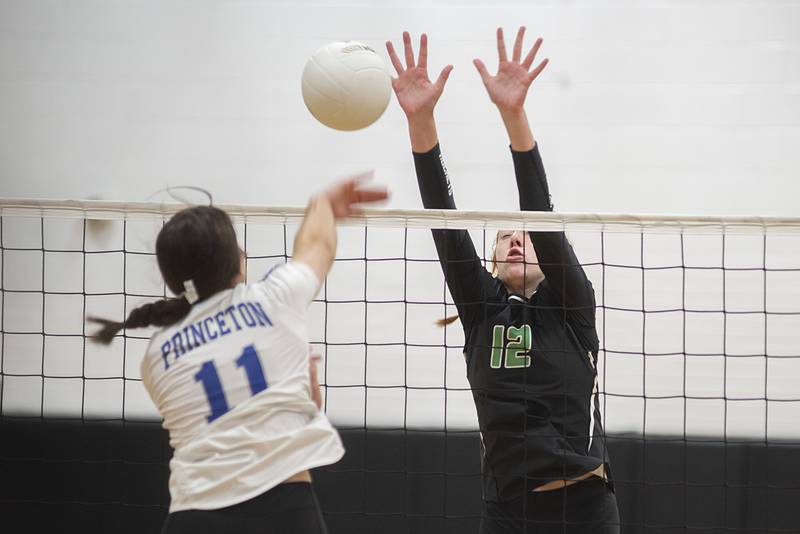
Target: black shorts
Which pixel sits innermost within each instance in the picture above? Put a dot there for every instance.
(289, 508)
(588, 506)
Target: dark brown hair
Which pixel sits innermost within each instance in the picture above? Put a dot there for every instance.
(197, 244)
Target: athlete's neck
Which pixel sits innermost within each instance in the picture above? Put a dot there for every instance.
(517, 289)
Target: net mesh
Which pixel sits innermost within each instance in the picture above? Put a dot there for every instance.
(697, 318)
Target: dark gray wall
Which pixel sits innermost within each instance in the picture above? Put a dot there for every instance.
(112, 477)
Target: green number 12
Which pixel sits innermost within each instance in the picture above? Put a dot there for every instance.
(517, 349)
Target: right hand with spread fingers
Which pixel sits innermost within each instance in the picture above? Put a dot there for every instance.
(346, 195)
(509, 87)
(414, 89)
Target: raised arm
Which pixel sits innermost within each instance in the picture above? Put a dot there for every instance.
(415, 92)
(509, 87)
(466, 278)
(562, 270)
(315, 242)
(508, 90)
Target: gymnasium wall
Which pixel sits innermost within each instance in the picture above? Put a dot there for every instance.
(112, 477)
(659, 107)
(682, 106)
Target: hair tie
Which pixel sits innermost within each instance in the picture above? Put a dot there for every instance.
(190, 292)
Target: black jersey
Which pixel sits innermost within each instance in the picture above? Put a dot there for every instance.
(531, 363)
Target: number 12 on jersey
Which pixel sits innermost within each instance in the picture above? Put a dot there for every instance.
(213, 387)
(517, 350)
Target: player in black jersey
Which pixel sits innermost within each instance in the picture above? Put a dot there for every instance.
(530, 339)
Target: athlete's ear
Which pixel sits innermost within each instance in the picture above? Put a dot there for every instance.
(242, 276)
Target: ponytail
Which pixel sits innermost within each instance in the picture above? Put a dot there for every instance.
(446, 320)
(160, 313)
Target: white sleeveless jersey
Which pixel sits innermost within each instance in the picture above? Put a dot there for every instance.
(231, 383)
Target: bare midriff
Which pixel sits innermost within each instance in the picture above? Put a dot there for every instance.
(558, 484)
(305, 476)
(302, 476)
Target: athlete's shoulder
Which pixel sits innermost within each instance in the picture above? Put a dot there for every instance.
(491, 311)
(292, 283)
(289, 271)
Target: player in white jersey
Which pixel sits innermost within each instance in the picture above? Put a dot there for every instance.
(229, 372)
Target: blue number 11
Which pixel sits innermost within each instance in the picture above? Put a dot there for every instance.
(213, 387)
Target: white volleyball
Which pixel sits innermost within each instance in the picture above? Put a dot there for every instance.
(346, 85)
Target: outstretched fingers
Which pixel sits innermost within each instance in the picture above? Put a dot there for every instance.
(501, 46)
(357, 180)
(423, 52)
(359, 194)
(539, 68)
(345, 195)
(518, 45)
(409, 51)
(443, 76)
(398, 66)
(364, 176)
(485, 76)
(532, 54)
(376, 194)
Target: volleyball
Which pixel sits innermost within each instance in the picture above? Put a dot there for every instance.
(346, 85)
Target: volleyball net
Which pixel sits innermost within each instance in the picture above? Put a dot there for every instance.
(698, 317)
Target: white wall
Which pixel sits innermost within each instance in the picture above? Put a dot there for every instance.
(647, 106)
(685, 107)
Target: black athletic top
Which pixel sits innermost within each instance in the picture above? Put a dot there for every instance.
(530, 362)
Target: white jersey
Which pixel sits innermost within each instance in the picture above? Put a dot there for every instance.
(231, 383)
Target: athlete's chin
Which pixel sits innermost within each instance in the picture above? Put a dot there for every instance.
(512, 276)
(522, 270)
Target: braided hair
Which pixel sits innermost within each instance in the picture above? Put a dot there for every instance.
(196, 245)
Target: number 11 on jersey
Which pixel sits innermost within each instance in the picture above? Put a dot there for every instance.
(209, 377)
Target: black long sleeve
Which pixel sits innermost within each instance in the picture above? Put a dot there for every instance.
(467, 279)
(564, 275)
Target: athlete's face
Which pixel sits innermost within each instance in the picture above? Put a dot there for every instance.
(516, 261)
